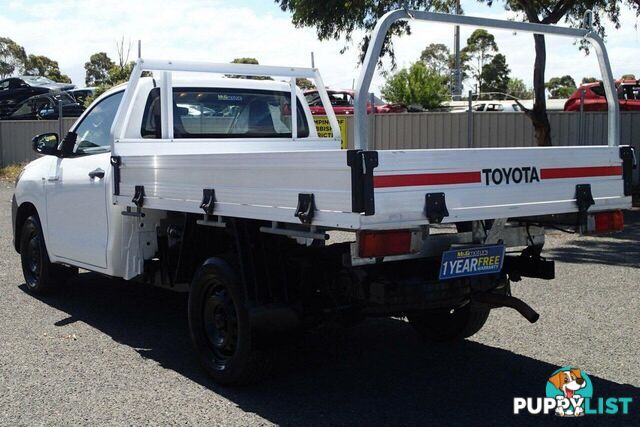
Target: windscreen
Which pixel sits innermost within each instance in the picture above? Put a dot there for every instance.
(225, 113)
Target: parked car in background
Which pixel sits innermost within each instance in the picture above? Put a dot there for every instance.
(507, 107)
(595, 100)
(486, 106)
(46, 107)
(81, 95)
(14, 90)
(342, 102)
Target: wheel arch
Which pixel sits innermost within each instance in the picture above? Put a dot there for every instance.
(24, 211)
(223, 266)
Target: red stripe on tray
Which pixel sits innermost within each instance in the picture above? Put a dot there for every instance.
(384, 181)
(558, 173)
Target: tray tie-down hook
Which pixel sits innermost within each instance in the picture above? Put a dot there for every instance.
(306, 208)
(208, 200)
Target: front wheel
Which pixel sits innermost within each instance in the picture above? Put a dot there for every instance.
(450, 324)
(220, 328)
(40, 274)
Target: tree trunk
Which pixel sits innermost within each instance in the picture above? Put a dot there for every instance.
(538, 114)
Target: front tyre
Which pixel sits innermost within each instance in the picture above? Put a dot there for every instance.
(40, 274)
(450, 324)
(220, 328)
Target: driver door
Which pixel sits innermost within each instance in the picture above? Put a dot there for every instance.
(78, 193)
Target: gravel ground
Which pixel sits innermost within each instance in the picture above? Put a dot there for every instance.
(110, 352)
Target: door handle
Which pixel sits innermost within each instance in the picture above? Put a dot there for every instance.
(97, 173)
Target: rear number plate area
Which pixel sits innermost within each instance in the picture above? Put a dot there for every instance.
(473, 261)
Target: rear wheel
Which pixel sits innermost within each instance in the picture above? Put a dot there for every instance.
(221, 331)
(450, 324)
(40, 274)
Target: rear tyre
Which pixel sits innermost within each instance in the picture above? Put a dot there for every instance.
(40, 274)
(450, 324)
(220, 329)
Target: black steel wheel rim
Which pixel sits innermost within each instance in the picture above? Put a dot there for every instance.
(221, 325)
(33, 261)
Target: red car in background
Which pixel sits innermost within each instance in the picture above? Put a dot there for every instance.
(343, 103)
(594, 98)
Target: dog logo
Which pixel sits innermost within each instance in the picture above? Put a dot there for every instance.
(570, 387)
(569, 393)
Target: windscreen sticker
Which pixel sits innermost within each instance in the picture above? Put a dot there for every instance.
(225, 97)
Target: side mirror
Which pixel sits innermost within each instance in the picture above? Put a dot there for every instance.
(46, 143)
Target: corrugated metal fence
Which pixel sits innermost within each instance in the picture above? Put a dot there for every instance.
(16, 135)
(406, 131)
(447, 130)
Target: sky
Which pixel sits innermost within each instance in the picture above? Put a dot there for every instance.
(219, 31)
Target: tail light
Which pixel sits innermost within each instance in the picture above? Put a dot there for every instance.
(603, 222)
(374, 244)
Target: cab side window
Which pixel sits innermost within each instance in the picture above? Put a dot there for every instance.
(94, 132)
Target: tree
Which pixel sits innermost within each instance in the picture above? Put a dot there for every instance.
(518, 89)
(436, 57)
(589, 80)
(495, 75)
(40, 65)
(97, 69)
(561, 87)
(305, 84)
(551, 12)
(339, 19)
(417, 85)
(481, 46)
(12, 57)
(247, 60)
(120, 73)
(628, 77)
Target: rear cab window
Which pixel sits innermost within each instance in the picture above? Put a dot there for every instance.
(225, 113)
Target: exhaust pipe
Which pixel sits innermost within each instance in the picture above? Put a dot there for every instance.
(496, 300)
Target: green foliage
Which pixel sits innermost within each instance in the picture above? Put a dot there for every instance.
(40, 65)
(417, 85)
(336, 19)
(99, 91)
(572, 11)
(246, 60)
(589, 80)
(97, 69)
(436, 57)
(518, 89)
(495, 75)
(628, 77)
(305, 84)
(480, 49)
(561, 87)
(12, 57)
(340, 19)
(116, 75)
(120, 74)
